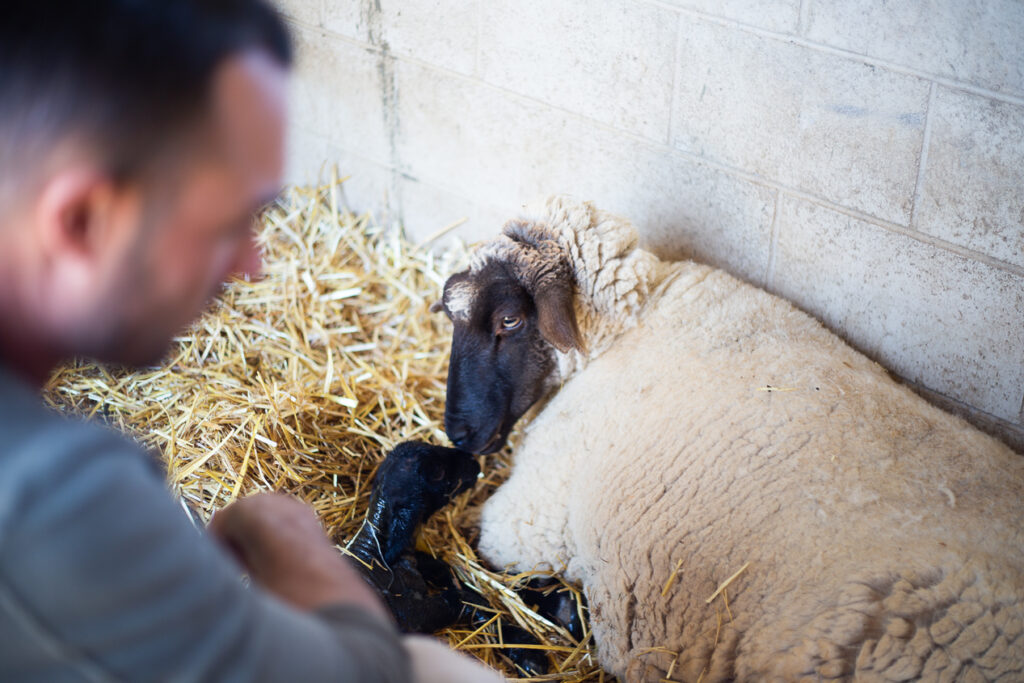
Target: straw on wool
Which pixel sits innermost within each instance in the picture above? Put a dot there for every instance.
(302, 381)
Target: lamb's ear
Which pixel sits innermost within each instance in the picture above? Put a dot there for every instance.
(437, 306)
(556, 317)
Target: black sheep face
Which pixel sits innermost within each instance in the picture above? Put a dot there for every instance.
(415, 481)
(501, 362)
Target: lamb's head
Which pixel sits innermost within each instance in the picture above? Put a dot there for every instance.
(415, 480)
(511, 311)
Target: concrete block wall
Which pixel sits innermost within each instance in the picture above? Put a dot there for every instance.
(864, 159)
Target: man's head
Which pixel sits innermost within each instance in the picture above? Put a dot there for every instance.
(137, 140)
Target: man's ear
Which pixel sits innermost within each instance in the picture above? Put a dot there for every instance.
(556, 317)
(81, 214)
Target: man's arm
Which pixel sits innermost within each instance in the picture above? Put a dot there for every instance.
(102, 573)
(282, 546)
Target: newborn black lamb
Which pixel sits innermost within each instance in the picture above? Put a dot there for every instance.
(415, 481)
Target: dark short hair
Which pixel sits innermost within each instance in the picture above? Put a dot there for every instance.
(123, 76)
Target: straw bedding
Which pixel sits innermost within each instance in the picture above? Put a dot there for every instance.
(302, 382)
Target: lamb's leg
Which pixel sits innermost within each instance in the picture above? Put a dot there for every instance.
(558, 605)
(417, 605)
(531, 661)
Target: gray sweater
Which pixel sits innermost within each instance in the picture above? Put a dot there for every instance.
(103, 578)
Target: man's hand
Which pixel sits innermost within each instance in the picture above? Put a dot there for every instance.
(280, 542)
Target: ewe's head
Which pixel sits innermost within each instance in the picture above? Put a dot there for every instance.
(511, 311)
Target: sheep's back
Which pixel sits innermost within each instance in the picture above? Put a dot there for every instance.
(731, 429)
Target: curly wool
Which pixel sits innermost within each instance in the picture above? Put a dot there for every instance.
(597, 251)
(714, 426)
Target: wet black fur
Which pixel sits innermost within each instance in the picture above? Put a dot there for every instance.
(414, 481)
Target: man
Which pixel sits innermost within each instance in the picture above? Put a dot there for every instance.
(137, 140)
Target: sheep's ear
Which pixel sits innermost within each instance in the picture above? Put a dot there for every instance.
(556, 317)
(437, 306)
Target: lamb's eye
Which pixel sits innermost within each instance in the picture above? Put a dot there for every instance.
(511, 322)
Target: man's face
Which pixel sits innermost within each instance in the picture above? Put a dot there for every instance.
(199, 230)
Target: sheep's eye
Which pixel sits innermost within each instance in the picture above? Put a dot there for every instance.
(511, 322)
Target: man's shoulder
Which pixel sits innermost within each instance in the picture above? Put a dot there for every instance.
(41, 449)
(26, 423)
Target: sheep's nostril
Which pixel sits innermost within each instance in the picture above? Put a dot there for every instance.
(458, 434)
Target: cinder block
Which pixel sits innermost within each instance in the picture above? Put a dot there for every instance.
(829, 126)
(463, 135)
(976, 41)
(681, 208)
(308, 157)
(428, 208)
(610, 61)
(349, 18)
(309, 161)
(498, 150)
(337, 92)
(1012, 434)
(936, 318)
(774, 15)
(972, 192)
(304, 11)
(441, 33)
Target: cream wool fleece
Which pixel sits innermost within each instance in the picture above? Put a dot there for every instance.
(708, 426)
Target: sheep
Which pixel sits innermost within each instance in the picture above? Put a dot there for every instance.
(741, 494)
(414, 481)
